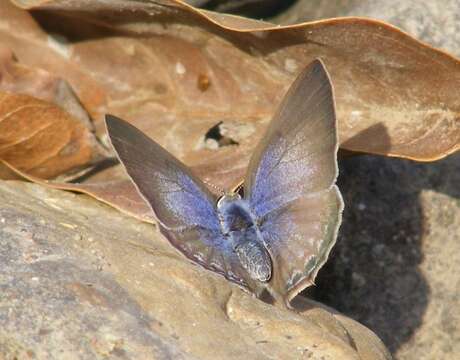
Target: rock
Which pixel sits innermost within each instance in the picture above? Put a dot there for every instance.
(396, 262)
(79, 280)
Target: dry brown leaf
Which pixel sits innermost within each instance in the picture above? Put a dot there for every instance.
(175, 72)
(143, 61)
(41, 139)
(37, 136)
(435, 22)
(17, 78)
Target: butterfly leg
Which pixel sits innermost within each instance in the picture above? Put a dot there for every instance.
(278, 300)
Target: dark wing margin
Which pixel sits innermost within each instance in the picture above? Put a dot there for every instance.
(184, 207)
(290, 182)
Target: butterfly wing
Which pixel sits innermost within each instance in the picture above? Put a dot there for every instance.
(290, 183)
(184, 207)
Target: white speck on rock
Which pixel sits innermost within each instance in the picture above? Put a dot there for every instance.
(358, 279)
(361, 206)
(69, 226)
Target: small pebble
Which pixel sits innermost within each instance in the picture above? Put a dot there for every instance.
(361, 207)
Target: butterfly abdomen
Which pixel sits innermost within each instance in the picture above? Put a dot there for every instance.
(239, 227)
(255, 260)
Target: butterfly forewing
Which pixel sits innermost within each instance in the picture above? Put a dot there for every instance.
(290, 182)
(184, 207)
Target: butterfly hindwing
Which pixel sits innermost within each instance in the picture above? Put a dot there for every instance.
(300, 235)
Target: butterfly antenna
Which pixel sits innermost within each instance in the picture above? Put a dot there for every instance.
(217, 189)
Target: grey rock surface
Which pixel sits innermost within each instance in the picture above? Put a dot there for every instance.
(57, 298)
(79, 280)
(396, 264)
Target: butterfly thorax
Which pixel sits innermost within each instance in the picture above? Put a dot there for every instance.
(240, 227)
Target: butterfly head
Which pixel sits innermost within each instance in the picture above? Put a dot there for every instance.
(227, 199)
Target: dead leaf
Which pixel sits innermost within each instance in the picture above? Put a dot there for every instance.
(17, 78)
(435, 22)
(381, 75)
(150, 63)
(41, 139)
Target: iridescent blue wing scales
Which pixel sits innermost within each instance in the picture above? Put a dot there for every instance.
(184, 207)
(290, 183)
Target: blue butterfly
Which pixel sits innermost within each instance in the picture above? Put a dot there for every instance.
(280, 232)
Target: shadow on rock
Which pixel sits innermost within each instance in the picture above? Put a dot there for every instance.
(373, 273)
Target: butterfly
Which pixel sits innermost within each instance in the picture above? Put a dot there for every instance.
(277, 235)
